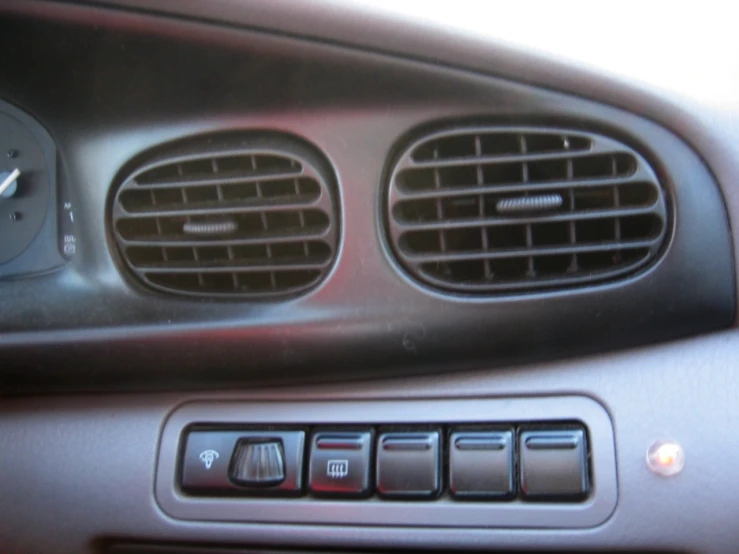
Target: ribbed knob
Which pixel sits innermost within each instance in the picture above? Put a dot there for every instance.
(541, 202)
(259, 463)
(210, 228)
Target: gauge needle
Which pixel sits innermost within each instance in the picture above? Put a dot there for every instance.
(9, 180)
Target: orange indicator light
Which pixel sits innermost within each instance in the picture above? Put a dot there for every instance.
(665, 458)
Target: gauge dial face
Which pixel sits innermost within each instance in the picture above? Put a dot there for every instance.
(24, 188)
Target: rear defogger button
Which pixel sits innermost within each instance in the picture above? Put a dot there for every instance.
(340, 464)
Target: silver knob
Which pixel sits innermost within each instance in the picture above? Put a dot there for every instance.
(9, 182)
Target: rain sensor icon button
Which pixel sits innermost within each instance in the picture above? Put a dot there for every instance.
(208, 457)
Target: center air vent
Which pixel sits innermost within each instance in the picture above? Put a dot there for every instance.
(513, 209)
(250, 218)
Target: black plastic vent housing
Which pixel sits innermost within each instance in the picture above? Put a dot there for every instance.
(251, 218)
(487, 209)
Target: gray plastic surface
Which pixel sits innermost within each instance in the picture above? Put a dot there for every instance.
(441, 513)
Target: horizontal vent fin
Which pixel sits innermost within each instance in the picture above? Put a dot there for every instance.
(243, 222)
(520, 209)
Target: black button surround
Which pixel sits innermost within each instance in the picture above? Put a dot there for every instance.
(340, 464)
(408, 465)
(481, 464)
(554, 464)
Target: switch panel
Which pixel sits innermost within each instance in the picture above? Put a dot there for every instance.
(477, 463)
(554, 464)
(480, 463)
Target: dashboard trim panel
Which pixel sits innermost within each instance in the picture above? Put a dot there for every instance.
(368, 314)
(439, 513)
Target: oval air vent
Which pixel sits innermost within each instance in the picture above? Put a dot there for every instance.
(514, 209)
(248, 218)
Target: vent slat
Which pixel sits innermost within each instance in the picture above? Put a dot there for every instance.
(526, 252)
(160, 240)
(539, 282)
(245, 268)
(220, 179)
(513, 188)
(571, 227)
(480, 177)
(518, 209)
(216, 208)
(256, 223)
(508, 158)
(537, 218)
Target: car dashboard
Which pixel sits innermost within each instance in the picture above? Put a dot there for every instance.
(360, 277)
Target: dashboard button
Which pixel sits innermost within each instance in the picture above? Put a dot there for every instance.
(209, 456)
(481, 464)
(554, 464)
(340, 464)
(206, 459)
(408, 465)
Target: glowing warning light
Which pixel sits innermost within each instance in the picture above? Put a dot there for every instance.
(665, 458)
(666, 455)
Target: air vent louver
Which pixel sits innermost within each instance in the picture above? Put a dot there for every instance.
(253, 219)
(490, 209)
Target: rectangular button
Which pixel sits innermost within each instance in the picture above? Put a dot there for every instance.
(340, 464)
(207, 457)
(481, 464)
(408, 464)
(554, 464)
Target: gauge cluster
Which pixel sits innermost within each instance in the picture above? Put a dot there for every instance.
(31, 241)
